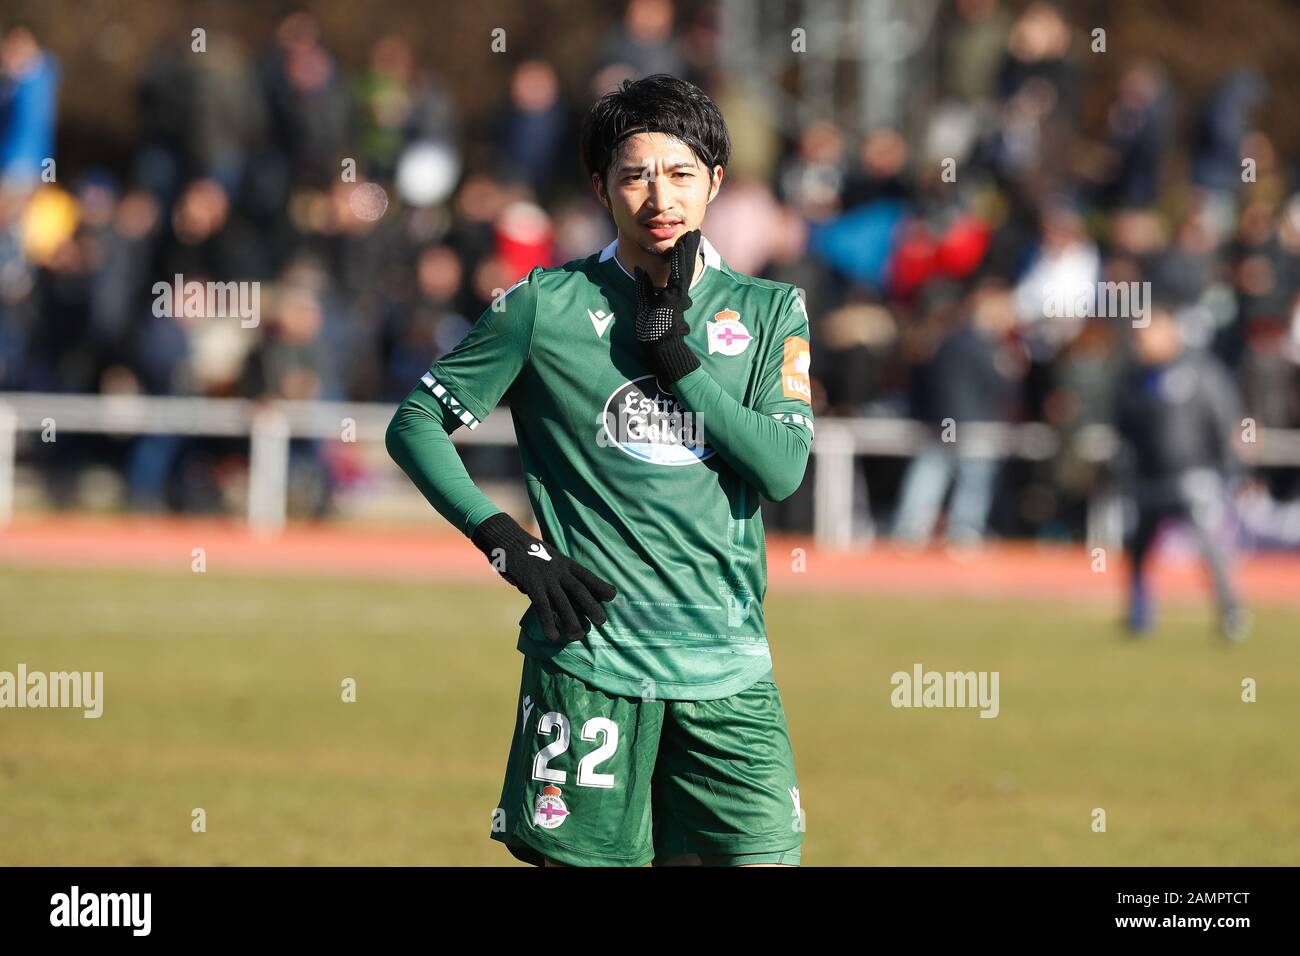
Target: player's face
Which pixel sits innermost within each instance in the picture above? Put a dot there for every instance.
(658, 190)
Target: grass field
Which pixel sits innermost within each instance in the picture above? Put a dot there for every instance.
(223, 693)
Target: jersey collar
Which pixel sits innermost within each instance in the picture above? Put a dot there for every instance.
(711, 258)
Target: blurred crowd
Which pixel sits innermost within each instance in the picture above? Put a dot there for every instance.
(379, 222)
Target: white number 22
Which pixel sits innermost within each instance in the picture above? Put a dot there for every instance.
(591, 730)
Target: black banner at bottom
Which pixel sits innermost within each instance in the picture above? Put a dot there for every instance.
(334, 905)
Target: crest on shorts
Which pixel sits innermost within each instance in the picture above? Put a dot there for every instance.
(549, 810)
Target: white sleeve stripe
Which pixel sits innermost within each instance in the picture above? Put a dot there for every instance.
(440, 392)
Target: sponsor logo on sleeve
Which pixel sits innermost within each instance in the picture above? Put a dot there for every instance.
(794, 369)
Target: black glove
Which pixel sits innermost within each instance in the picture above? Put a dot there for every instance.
(661, 314)
(554, 583)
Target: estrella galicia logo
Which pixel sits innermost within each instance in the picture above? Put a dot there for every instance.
(646, 421)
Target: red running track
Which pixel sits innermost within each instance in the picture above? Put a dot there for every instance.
(999, 570)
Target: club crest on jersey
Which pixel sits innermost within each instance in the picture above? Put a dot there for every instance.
(549, 810)
(727, 334)
(647, 422)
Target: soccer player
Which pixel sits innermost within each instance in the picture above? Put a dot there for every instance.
(656, 394)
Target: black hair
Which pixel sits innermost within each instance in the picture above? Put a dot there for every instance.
(654, 104)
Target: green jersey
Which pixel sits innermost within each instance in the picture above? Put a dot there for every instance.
(655, 491)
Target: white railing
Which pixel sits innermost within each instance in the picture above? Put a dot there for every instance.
(270, 425)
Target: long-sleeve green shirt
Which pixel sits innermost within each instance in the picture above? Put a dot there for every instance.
(655, 490)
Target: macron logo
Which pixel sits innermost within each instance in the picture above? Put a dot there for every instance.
(600, 319)
(539, 551)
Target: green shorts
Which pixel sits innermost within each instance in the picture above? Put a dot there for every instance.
(599, 780)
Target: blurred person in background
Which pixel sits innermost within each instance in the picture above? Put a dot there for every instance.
(759, 144)
(1063, 271)
(1137, 248)
(1038, 54)
(1038, 87)
(228, 122)
(1189, 266)
(1218, 137)
(532, 127)
(60, 353)
(1082, 394)
(292, 362)
(1268, 361)
(943, 239)
(972, 52)
(1177, 416)
(479, 201)
(385, 103)
(881, 172)
(790, 262)
(1139, 125)
(1263, 271)
(855, 371)
(309, 107)
(746, 223)
(854, 205)
(819, 289)
(208, 236)
(124, 233)
(165, 99)
(964, 382)
(159, 364)
(29, 89)
(812, 179)
(427, 327)
(578, 227)
(16, 282)
(643, 43)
